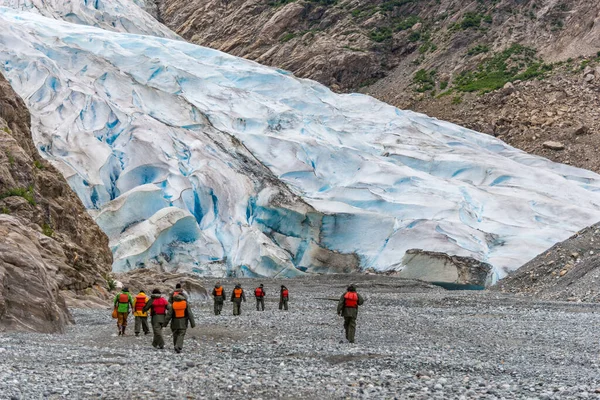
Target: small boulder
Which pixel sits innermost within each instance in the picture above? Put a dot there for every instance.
(588, 78)
(580, 130)
(552, 145)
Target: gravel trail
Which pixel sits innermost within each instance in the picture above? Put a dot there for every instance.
(412, 342)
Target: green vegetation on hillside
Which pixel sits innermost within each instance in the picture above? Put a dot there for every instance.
(26, 193)
(516, 62)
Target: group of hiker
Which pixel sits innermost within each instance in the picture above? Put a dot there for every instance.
(177, 312)
(238, 296)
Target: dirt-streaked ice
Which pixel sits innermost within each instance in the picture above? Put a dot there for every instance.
(192, 158)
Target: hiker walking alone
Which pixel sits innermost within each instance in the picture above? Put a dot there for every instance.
(122, 303)
(284, 296)
(218, 297)
(260, 294)
(141, 317)
(237, 296)
(179, 314)
(348, 308)
(158, 310)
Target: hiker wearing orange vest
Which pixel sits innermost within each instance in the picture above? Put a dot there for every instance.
(178, 290)
(218, 297)
(179, 313)
(122, 302)
(158, 310)
(348, 308)
(237, 296)
(260, 294)
(284, 296)
(141, 317)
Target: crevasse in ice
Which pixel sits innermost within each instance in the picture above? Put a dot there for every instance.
(197, 160)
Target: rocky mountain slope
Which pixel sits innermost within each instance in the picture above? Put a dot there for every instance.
(50, 249)
(568, 271)
(437, 57)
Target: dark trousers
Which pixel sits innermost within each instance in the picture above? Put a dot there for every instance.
(350, 327)
(158, 340)
(143, 323)
(178, 335)
(218, 307)
(283, 304)
(260, 301)
(237, 308)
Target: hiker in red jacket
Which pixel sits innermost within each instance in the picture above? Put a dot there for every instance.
(283, 298)
(260, 294)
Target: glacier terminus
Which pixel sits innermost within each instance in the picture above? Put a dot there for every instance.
(199, 161)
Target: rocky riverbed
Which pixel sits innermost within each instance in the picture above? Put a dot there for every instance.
(413, 341)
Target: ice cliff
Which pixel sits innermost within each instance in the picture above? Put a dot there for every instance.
(197, 160)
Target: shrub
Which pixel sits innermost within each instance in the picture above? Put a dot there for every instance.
(443, 85)
(471, 20)
(456, 99)
(407, 23)
(381, 34)
(480, 48)
(287, 37)
(414, 36)
(38, 164)
(27, 194)
(47, 230)
(111, 284)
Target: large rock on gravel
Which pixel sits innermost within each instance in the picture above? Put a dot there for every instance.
(452, 272)
(50, 245)
(570, 270)
(150, 278)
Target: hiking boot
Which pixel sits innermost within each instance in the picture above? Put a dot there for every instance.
(137, 334)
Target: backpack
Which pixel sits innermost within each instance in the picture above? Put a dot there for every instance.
(237, 293)
(123, 298)
(258, 292)
(284, 293)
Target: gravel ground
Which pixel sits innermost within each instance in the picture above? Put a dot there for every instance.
(412, 342)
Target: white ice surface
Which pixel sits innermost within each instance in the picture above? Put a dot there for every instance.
(141, 124)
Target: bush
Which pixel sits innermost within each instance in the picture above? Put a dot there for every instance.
(471, 20)
(111, 284)
(516, 62)
(381, 34)
(407, 23)
(456, 100)
(38, 164)
(414, 36)
(27, 194)
(443, 85)
(287, 37)
(480, 48)
(47, 230)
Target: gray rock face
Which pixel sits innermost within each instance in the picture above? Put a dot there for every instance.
(149, 279)
(49, 245)
(448, 271)
(570, 270)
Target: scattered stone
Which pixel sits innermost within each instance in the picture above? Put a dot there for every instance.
(552, 145)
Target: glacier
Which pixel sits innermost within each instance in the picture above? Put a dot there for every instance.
(195, 160)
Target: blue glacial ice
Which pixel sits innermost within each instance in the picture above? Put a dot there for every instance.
(196, 160)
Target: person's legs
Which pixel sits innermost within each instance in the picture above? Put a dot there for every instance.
(145, 325)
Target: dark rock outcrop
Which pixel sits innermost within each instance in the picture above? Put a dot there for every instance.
(452, 272)
(49, 245)
(569, 270)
